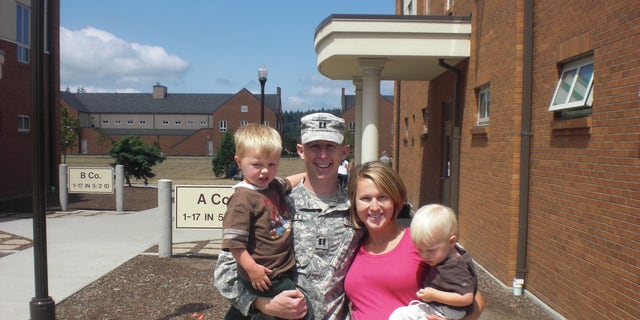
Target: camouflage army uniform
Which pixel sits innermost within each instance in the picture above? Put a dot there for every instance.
(324, 244)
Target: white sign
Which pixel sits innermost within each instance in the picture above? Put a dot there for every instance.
(90, 180)
(201, 207)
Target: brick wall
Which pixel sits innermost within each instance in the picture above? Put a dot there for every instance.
(582, 252)
(489, 169)
(585, 177)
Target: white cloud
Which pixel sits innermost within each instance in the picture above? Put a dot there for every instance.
(98, 60)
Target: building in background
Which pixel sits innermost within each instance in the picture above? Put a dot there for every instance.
(522, 115)
(16, 135)
(385, 107)
(183, 124)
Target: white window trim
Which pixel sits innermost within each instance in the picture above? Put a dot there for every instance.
(24, 47)
(244, 108)
(223, 125)
(588, 98)
(24, 123)
(485, 91)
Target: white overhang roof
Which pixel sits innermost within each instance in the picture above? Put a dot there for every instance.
(411, 45)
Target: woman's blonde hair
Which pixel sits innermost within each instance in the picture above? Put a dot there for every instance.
(387, 180)
(433, 223)
(261, 138)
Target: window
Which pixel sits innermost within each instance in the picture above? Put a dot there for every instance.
(178, 123)
(22, 33)
(130, 122)
(244, 108)
(142, 122)
(223, 125)
(190, 122)
(425, 121)
(484, 103)
(105, 121)
(243, 122)
(265, 122)
(352, 127)
(118, 122)
(24, 123)
(165, 122)
(448, 6)
(409, 9)
(575, 86)
(203, 123)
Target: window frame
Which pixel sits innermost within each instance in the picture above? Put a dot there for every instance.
(484, 105)
(23, 32)
(222, 125)
(24, 123)
(577, 67)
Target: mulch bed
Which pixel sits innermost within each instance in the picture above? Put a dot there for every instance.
(135, 199)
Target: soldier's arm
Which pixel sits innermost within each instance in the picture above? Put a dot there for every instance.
(230, 286)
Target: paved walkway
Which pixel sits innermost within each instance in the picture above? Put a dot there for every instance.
(82, 246)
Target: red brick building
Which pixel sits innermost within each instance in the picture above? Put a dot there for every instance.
(16, 112)
(385, 107)
(524, 116)
(179, 123)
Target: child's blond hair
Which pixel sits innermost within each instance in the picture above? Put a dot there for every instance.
(260, 138)
(433, 223)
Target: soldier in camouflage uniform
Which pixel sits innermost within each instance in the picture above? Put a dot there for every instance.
(324, 238)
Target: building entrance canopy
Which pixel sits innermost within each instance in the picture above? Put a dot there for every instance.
(410, 45)
(370, 48)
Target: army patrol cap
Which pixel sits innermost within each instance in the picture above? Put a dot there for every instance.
(321, 126)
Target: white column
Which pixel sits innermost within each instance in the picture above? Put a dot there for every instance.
(63, 184)
(165, 244)
(371, 70)
(119, 188)
(357, 82)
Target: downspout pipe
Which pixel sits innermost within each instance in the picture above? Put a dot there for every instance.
(396, 146)
(457, 124)
(525, 145)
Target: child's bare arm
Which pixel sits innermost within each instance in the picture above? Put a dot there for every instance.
(257, 273)
(453, 299)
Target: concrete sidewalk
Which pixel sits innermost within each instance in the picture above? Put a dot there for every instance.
(80, 249)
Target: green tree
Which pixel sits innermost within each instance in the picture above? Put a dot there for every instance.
(69, 130)
(223, 159)
(136, 157)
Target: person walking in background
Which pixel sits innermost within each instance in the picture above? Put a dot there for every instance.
(323, 237)
(387, 270)
(452, 281)
(343, 173)
(257, 223)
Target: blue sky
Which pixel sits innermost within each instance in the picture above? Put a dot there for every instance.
(203, 46)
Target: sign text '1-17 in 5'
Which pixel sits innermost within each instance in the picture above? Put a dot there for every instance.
(201, 207)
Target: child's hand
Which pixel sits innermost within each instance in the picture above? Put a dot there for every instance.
(427, 294)
(259, 278)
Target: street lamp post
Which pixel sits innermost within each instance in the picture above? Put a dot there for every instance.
(262, 77)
